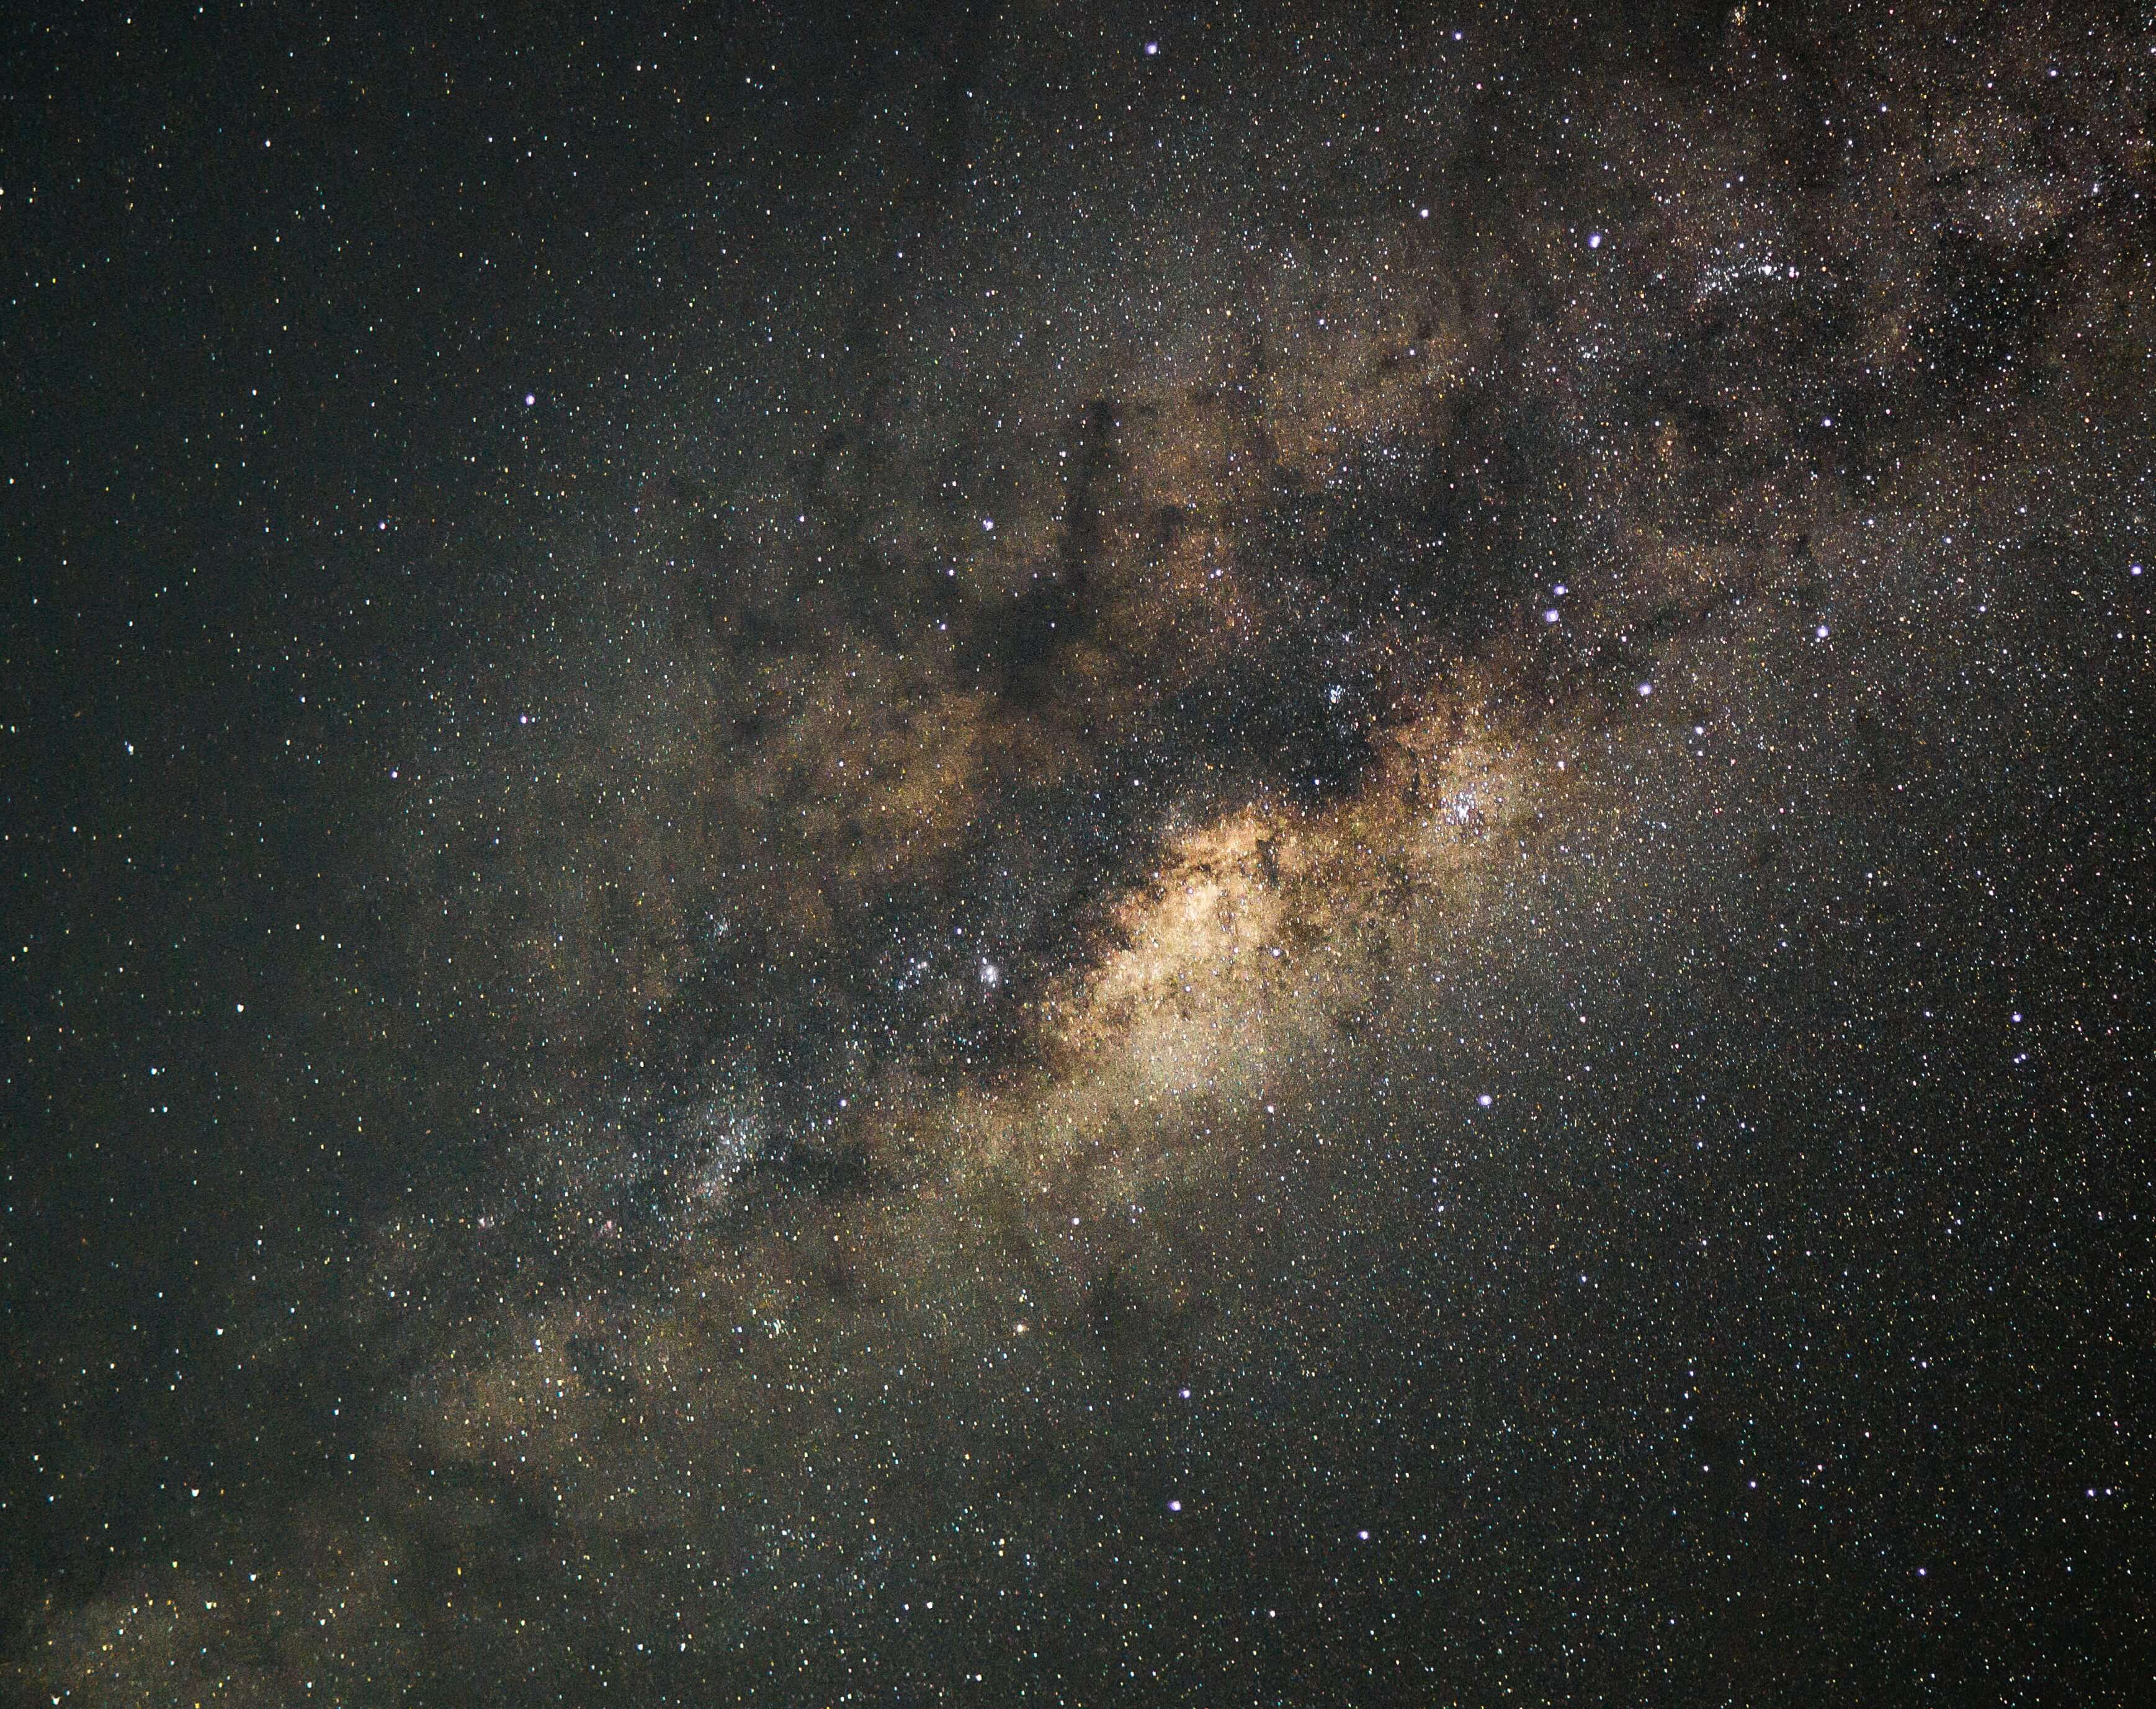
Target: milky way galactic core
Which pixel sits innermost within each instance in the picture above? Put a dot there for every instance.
(1082, 856)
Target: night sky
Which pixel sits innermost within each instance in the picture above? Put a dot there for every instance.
(1077, 853)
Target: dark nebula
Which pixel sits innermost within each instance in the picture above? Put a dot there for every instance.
(1058, 854)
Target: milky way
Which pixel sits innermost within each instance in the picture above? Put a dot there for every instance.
(1303, 860)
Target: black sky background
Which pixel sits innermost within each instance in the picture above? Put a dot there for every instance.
(293, 565)
(281, 280)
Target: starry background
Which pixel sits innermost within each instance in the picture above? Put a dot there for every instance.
(1077, 853)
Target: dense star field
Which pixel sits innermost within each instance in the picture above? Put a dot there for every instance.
(1078, 854)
